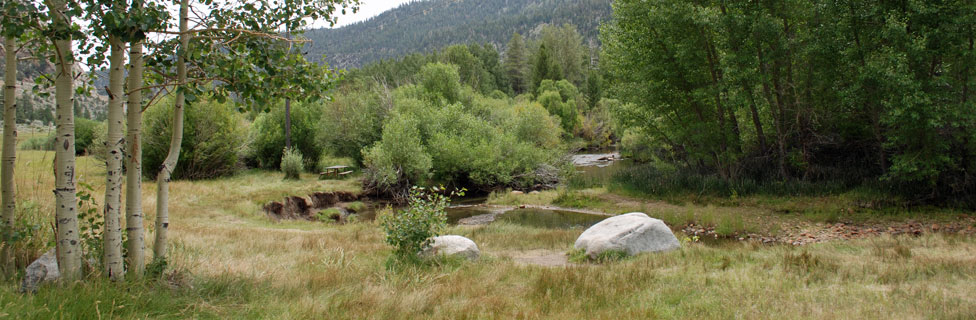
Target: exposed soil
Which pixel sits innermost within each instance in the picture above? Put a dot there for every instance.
(538, 257)
(303, 208)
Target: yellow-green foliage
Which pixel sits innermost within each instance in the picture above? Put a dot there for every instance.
(479, 141)
(267, 134)
(291, 164)
(213, 139)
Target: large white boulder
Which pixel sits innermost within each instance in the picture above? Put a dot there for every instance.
(44, 269)
(450, 246)
(632, 233)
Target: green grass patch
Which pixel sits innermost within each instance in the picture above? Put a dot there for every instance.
(580, 256)
(576, 199)
(328, 215)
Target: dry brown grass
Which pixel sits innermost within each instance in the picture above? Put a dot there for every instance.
(240, 264)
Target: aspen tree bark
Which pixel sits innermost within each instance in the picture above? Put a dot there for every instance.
(162, 179)
(9, 154)
(65, 201)
(114, 266)
(133, 180)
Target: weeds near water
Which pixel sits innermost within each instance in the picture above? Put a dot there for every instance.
(650, 180)
(580, 256)
(574, 199)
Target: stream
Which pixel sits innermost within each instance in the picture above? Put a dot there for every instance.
(474, 210)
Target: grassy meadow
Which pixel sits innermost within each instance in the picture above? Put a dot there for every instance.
(229, 260)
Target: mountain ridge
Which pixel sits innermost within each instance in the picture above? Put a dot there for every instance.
(423, 26)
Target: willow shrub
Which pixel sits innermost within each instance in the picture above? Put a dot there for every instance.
(478, 142)
(267, 135)
(424, 218)
(213, 139)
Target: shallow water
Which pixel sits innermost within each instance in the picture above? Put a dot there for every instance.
(603, 159)
(552, 219)
(598, 167)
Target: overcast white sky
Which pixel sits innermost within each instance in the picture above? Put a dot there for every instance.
(369, 9)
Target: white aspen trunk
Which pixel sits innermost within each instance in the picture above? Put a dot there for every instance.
(114, 266)
(133, 180)
(65, 201)
(176, 142)
(9, 156)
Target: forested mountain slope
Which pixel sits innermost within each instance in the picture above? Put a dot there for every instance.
(428, 25)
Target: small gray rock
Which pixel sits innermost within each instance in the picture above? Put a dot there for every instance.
(632, 233)
(452, 246)
(44, 269)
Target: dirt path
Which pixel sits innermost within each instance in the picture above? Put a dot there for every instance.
(538, 257)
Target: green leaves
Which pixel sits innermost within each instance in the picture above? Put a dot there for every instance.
(409, 230)
(92, 224)
(815, 90)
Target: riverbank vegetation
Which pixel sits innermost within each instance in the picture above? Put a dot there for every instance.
(754, 97)
(230, 261)
(814, 159)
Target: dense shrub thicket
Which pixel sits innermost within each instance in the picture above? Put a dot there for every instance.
(353, 119)
(84, 135)
(213, 139)
(267, 136)
(860, 91)
(438, 132)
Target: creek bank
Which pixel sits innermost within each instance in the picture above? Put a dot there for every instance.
(306, 208)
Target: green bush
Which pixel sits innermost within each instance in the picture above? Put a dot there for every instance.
(559, 105)
(353, 119)
(411, 229)
(399, 158)
(213, 139)
(478, 142)
(441, 81)
(267, 135)
(292, 164)
(85, 131)
(39, 143)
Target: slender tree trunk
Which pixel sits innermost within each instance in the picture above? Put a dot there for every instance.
(65, 202)
(755, 117)
(162, 194)
(775, 105)
(288, 123)
(9, 157)
(711, 57)
(114, 266)
(874, 111)
(288, 112)
(966, 74)
(133, 178)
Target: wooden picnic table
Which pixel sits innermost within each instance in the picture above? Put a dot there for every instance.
(335, 172)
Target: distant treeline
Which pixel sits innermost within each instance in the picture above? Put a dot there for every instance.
(425, 26)
(555, 53)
